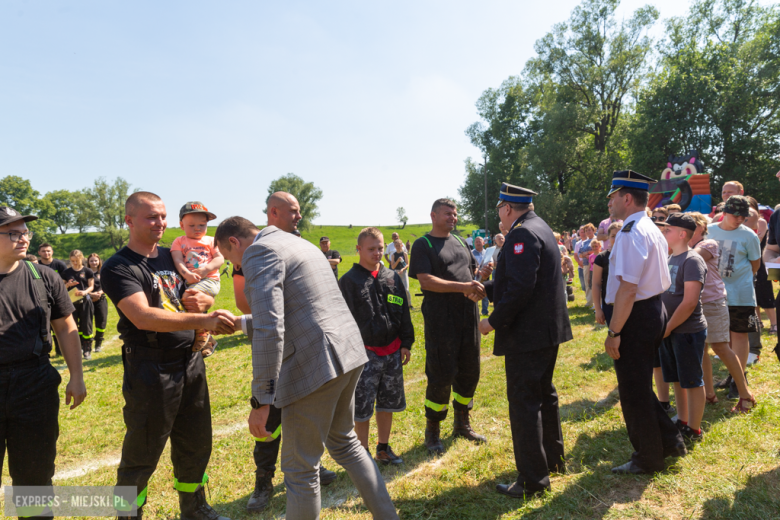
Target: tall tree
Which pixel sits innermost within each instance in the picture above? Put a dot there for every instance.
(109, 201)
(402, 218)
(307, 193)
(560, 128)
(65, 209)
(717, 91)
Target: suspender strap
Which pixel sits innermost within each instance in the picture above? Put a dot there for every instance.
(41, 296)
(456, 236)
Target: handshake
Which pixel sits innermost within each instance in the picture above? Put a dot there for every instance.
(222, 322)
(474, 292)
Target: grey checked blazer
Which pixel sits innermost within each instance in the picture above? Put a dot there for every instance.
(303, 334)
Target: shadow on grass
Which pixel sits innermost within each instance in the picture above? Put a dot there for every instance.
(587, 409)
(600, 362)
(760, 498)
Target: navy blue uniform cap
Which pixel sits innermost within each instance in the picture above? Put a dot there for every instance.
(515, 194)
(630, 179)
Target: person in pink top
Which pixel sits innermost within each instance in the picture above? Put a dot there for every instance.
(595, 246)
(716, 312)
(198, 260)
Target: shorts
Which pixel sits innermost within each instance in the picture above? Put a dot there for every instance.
(717, 315)
(743, 319)
(207, 286)
(681, 357)
(382, 381)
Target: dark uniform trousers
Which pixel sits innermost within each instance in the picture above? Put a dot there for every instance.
(166, 396)
(101, 318)
(533, 414)
(83, 316)
(650, 429)
(266, 452)
(452, 349)
(29, 423)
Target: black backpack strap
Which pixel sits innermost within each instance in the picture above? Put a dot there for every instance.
(44, 309)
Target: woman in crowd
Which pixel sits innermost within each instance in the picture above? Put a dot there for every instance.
(716, 312)
(765, 295)
(400, 264)
(80, 280)
(99, 301)
(600, 275)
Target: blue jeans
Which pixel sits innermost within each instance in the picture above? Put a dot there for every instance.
(485, 302)
(582, 277)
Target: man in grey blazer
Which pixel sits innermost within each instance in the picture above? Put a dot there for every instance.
(307, 356)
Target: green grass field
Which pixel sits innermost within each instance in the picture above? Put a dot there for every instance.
(733, 474)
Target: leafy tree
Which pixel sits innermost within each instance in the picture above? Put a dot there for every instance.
(19, 194)
(65, 209)
(560, 128)
(109, 202)
(402, 218)
(86, 215)
(306, 192)
(717, 91)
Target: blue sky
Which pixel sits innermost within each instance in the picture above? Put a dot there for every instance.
(212, 100)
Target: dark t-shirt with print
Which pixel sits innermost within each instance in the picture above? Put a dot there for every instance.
(331, 254)
(20, 317)
(82, 277)
(773, 237)
(602, 260)
(160, 282)
(685, 267)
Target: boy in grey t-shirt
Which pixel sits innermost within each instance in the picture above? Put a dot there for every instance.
(686, 332)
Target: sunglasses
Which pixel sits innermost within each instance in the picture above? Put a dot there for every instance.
(658, 219)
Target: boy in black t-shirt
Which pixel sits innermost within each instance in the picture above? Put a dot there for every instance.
(80, 281)
(33, 299)
(445, 267)
(332, 255)
(377, 298)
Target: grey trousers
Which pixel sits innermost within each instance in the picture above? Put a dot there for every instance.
(327, 416)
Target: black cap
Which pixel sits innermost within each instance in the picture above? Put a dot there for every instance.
(324, 239)
(681, 220)
(515, 194)
(195, 207)
(10, 215)
(630, 179)
(738, 206)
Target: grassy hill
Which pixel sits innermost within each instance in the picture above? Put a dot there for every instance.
(343, 238)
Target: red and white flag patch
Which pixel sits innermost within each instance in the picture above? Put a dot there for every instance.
(519, 248)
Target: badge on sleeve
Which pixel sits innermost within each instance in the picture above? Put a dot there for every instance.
(519, 248)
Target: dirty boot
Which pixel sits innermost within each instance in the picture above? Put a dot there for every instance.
(432, 441)
(264, 490)
(193, 506)
(462, 427)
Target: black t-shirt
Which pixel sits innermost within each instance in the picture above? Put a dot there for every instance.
(773, 235)
(58, 266)
(332, 254)
(161, 283)
(98, 285)
(82, 277)
(446, 258)
(602, 260)
(19, 315)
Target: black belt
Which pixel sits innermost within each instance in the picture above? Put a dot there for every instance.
(27, 363)
(156, 354)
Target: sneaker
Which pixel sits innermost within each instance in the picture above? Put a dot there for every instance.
(387, 456)
(733, 392)
(680, 425)
(691, 436)
(724, 383)
(87, 355)
(669, 409)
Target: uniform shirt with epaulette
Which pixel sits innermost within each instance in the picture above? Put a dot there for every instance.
(639, 256)
(20, 310)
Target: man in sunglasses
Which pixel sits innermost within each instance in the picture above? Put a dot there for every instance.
(33, 300)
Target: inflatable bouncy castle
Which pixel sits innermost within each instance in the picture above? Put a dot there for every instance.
(683, 183)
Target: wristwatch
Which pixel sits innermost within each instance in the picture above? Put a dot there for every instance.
(610, 333)
(255, 403)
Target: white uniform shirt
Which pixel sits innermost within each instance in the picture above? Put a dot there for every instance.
(639, 256)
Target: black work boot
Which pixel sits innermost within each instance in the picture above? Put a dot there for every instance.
(193, 506)
(326, 476)
(462, 427)
(264, 490)
(432, 441)
(139, 516)
(98, 346)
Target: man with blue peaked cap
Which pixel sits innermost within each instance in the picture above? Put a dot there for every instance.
(531, 320)
(638, 274)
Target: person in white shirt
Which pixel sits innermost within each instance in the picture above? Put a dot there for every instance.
(638, 274)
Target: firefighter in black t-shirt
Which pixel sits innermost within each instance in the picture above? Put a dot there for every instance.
(32, 299)
(165, 388)
(46, 258)
(446, 269)
(80, 281)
